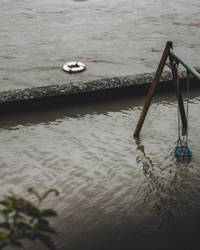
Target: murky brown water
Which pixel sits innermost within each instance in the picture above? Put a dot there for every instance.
(114, 194)
(115, 37)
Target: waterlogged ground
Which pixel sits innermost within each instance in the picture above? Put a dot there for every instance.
(116, 37)
(115, 193)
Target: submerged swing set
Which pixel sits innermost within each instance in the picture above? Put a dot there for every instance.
(181, 149)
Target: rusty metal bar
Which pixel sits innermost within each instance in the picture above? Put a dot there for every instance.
(190, 69)
(180, 99)
(152, 88)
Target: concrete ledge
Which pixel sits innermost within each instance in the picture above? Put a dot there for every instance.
(79, 87)
(92, 90)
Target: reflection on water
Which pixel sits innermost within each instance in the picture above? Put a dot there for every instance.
(160, 194)
(115, 193)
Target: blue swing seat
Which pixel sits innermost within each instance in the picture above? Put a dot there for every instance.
(182, 151)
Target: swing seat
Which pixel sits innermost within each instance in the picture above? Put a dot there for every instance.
(182, 151)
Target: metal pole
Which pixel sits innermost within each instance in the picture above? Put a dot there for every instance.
(179, 98)
(190, 69)
(152, 88)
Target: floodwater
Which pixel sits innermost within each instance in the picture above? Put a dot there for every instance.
(115, 37)
(115, 193)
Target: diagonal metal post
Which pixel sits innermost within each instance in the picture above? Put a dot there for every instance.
(152, 88)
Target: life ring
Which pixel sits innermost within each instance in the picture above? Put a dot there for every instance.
(74, 67)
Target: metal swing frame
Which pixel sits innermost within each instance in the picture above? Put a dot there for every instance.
(173, 65)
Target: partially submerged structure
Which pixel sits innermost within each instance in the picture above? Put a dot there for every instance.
(181, 149)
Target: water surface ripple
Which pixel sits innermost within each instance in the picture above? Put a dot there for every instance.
(114, 192)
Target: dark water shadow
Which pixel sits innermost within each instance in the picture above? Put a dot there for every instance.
(169, 225)
(166, 194)
(78, 111)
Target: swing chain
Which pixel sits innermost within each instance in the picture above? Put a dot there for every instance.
(176, 66)
(187, 103)
(182, 150)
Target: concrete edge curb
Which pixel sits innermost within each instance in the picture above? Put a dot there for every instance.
(83, 87)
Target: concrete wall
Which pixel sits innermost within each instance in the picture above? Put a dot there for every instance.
(80, 92)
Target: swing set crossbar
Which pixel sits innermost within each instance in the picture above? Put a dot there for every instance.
(187, 67)
(174, 61)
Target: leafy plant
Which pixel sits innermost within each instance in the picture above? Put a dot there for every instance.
(21, 219)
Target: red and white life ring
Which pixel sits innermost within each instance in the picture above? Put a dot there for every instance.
(74, 67)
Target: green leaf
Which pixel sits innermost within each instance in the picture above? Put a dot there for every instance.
(48, 213)
(7, 211)
(30, 235)
(10, 201)
(31, 210)
(5, 225)
(27, 221)
(23, 226)
(47, 241)
(4, 234)
(44, 225)
(43, 221)
(6, 203)
(45, 228)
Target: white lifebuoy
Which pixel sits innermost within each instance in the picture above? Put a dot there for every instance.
(74, 67)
